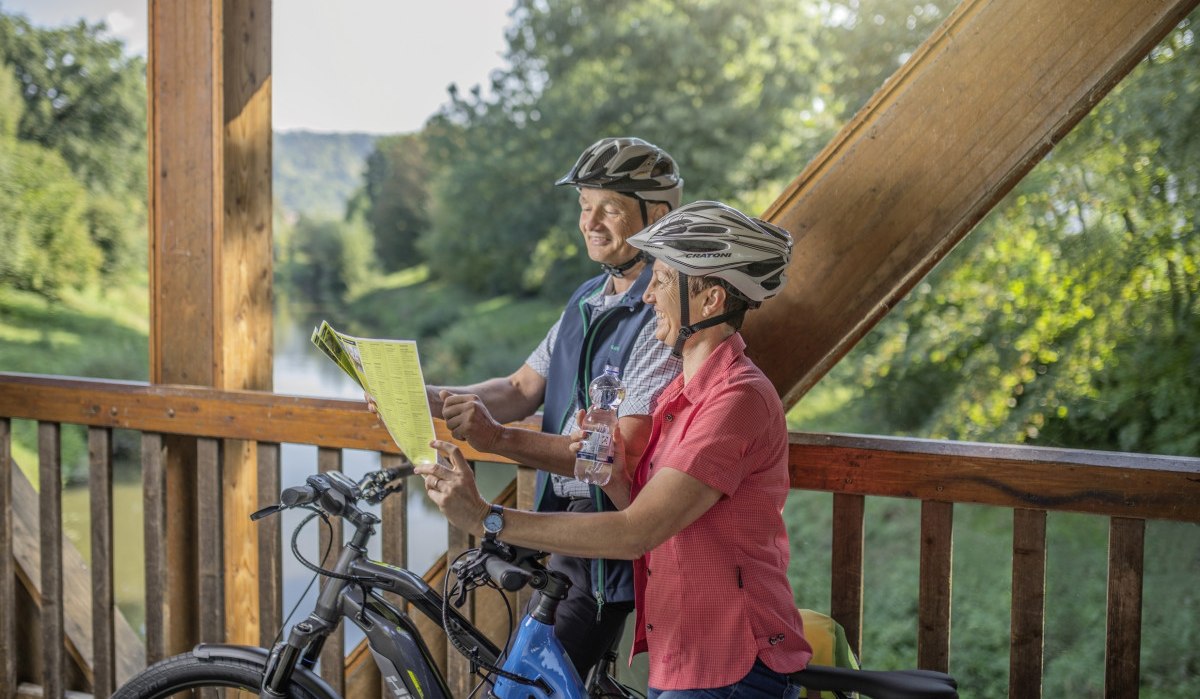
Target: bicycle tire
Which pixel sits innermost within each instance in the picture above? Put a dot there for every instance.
(185, 672)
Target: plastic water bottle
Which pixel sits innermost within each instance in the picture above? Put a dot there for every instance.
(594, 463)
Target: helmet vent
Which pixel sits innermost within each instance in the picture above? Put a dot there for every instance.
(698, 245)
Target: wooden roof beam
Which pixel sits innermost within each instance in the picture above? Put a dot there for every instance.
(945, 138)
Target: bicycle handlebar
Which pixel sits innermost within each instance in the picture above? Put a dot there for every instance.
(505, 574)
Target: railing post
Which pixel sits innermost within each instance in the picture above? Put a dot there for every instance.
(933, 635)
(154, 497)
(270, 547)
(100, 473)
(458, 669)
(50, 533)
(846, 575)
(333, 653)
(8, 569)
(209, 541)
(1028, 613)
(1122, 659)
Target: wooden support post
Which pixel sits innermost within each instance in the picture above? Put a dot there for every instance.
(1028, 611)
(104, 638)
(846, 563)
(933, 633)
(8, 568)
(50, 532)
(944, 139)
(210, 268)
(1126, 564)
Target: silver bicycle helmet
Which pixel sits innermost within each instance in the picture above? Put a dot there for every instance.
(630, 166)
(710, 239)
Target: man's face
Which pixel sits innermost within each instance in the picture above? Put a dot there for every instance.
(606, 220)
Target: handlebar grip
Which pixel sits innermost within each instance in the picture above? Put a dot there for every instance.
(505, 574)
(297, 495)
(392, 474)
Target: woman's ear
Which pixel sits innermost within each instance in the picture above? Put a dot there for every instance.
(714, 300)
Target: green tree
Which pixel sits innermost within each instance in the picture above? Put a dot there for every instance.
(1070, 316)
(394, 197)
(86, 100)
(326, 260)
(720, 85)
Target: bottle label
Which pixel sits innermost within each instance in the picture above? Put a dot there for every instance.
(597, 446)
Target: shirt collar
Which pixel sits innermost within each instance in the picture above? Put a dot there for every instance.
(713, 370)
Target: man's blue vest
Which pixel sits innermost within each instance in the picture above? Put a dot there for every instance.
(585, 344)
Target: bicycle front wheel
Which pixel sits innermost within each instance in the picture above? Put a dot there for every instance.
(183, 675)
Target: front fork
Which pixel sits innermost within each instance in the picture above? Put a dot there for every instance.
(303, 647)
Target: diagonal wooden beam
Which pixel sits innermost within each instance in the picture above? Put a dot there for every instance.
(975, 108)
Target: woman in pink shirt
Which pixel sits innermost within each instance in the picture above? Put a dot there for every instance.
(701, 512)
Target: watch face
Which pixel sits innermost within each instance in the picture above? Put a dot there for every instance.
(493, 523)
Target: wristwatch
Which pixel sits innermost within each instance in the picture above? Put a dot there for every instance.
(493, 523)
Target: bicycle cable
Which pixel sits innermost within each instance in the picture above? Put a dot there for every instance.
(452, 634)
(307, 588)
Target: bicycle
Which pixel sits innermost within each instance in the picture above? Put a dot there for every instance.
(534, 666)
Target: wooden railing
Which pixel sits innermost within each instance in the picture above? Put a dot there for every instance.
(71, 655)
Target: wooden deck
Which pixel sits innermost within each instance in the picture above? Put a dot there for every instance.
(1127, 489)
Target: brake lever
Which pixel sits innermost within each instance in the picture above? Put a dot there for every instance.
(266, 512)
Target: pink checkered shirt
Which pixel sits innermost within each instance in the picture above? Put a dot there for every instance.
(716, 595)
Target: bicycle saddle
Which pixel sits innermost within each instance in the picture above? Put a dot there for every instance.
(879, 684)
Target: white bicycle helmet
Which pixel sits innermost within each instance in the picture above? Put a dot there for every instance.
(630, 166)
(710, 239)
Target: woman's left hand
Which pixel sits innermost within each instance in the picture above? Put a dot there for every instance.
(450, 483)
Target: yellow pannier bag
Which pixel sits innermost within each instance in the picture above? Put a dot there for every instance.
(829, 644)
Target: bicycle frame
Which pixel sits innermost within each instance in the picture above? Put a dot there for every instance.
(399, 651)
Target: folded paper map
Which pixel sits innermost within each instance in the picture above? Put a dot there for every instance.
(390, 371)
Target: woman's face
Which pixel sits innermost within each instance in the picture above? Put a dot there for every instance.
(663, 294)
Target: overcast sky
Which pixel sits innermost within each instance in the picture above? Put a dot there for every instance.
(380, 66)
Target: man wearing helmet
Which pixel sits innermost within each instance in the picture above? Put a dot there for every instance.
(701, 512)
(624, 185)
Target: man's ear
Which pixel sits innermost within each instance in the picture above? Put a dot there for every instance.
(655, 211)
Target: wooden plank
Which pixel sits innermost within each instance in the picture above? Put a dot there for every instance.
(154, 499)
(362, 675)
(182, 506)
(933, 150)
(239, 495)
(846, 562)
(8, 571)
(1126, 553)
(458, 669)
(1067, 480)
(333, 654)
(206, 412)
(100, 473)
(270, 547)
(50, 528)
(933, 634)
(210, 541)
(526, 490)
(394, 549)
(1028, 604)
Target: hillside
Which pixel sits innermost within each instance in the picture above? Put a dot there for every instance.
(315, 173)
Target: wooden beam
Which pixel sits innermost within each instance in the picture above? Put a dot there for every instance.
(8, 570)
(244, 284)
(210, 269)
(945, 138)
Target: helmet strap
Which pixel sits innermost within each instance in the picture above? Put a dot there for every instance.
(686, 330)
(619, 271)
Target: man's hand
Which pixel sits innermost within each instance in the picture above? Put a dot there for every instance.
(468, 420)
